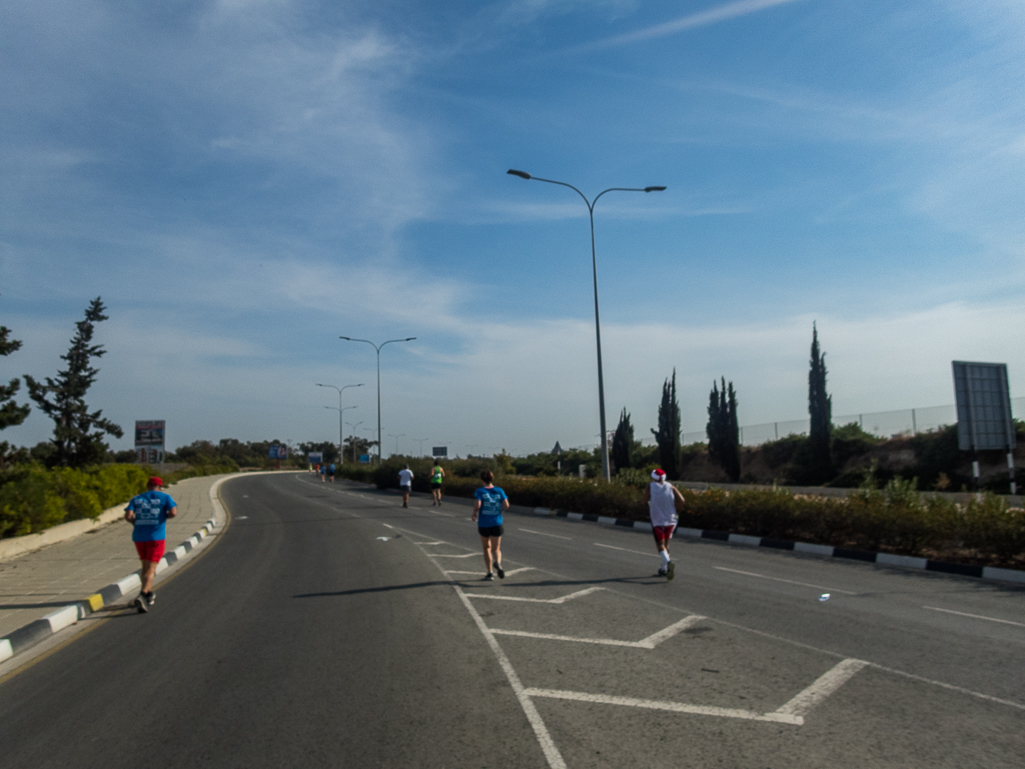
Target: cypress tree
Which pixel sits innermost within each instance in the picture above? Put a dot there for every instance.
(668, 434)
(820, 408)
(10, 412)
(622, 443)
(723, 429)
(77, 433)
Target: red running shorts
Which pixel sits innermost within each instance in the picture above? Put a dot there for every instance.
(663, 534)
(150, 551)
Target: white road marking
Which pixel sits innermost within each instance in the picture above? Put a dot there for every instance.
(432, 543)
(625, 550)
(555, 760)
(565, 598)
(823, 686)
(647, 643)
(464, 555)
(510, 572)
(387, 526)
(975, 616)
(463, 572)
(676, 707)
(780, 579)
(554, 536)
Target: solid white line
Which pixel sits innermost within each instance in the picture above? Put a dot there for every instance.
(463, 572)
(551, 752)
(565, 598)
(647, 643)
(510, 572)
(780, 579)
(555, 536)
(676, 707)
(465, 555)
(823, 686)
(625, 550)
(432, 543)
(387, 526)
(975, 616)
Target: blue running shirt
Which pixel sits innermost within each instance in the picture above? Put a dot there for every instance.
(490, 506)
(150, 510)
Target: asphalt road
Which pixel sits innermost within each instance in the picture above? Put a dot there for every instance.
(330, 627)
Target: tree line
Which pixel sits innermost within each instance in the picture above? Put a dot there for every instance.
(723, 428)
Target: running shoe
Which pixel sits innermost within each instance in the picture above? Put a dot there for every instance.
(661, 573)
(489, 577)
(140, 604)
(151, 598)
(500, 571)
(670, 570)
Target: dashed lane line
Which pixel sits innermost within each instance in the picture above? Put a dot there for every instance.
(624, 549)
(780, 579)
(543, 534)
(975, 616)
(647, 643)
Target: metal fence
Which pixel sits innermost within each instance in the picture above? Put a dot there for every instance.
(885, 424)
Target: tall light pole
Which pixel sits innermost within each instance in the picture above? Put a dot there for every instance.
(396, 437)
(378, 347)
(421, 442)
(340, 410)
(605, 469)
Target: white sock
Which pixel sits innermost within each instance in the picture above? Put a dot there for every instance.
(665, 557)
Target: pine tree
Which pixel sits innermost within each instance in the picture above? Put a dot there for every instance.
(668, 434)
(77, 434)
(723, 430)
(820, 408)
(622, 443)
(10, 412)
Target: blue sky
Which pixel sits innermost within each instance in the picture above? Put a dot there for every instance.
(243, 182)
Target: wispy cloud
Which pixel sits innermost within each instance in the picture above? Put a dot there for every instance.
(691, 21)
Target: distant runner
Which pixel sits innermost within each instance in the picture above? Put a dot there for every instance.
(661, 498)
(405, 484)
(490, 503)
(148, 512)
(331, 472)
(323, 473)
(437, 473)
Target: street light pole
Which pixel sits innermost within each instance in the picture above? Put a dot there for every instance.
(396, 437)
(605, 469)
(378, 349)
(421, 442)
(340, 410)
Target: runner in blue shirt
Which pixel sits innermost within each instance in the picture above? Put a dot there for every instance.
(148, 513)
(490, 503)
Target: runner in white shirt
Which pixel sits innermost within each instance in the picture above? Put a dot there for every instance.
(405, 484)
(661, 498)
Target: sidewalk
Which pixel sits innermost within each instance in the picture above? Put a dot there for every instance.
(34, 584)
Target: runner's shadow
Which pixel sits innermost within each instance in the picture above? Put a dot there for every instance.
(385, 589)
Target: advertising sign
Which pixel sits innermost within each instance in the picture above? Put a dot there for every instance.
(315, 457)
(439, 451)
(278, 452)
(149, 441)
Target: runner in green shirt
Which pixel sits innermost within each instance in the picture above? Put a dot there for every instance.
(437, 473)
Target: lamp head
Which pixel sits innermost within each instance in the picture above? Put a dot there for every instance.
(654, 189)
(409, 339)
(346, 338)
(521, 174)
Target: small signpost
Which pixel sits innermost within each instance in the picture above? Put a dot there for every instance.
(149, 441)
(364, 459)
(984, 421)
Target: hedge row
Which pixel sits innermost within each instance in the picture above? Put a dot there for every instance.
(33, 498)
(895, 519)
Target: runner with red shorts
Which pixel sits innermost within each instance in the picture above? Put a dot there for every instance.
(662, 498)
(148, 512)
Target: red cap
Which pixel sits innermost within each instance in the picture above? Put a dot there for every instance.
(658, 474)
(154, 481)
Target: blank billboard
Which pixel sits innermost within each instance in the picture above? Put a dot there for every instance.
(983, 406)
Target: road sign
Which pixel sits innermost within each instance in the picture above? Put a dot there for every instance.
(364, 459)
(983, 407)
(439, 451)
(149, 441)
(315, 457)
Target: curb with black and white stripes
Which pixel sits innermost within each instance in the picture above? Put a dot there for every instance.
(29, 635)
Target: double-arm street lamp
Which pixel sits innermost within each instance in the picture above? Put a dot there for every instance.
(605, 470)
(353, 428)
(340, 411)
(378, 347)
